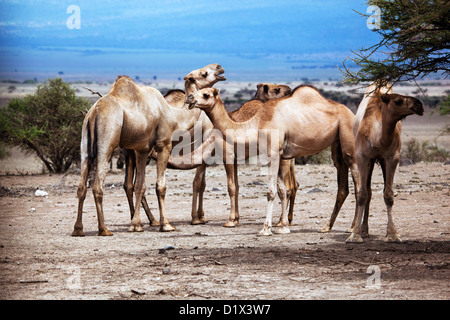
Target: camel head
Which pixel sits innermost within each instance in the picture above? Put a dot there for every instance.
(203, 99)
(205, 77)
(399, 106)
(267, 91)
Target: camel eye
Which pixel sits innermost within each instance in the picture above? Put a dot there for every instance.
(206, 96)
(205, 75)
(398, 101)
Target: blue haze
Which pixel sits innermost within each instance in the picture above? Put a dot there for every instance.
(253, 40)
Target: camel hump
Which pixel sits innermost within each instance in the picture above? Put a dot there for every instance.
(124, 86)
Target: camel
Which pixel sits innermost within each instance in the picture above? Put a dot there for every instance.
(300, 124)
(197, 79)
(265, 92)
(137, 118)
(377, 131)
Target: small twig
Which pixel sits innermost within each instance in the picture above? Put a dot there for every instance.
(93, 92)
(33, 281)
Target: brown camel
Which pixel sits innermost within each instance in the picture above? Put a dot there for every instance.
(198, 79)
(300, 124)
(133, 117)
(377, 132)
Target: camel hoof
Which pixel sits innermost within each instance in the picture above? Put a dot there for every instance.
(198, 221)
(265, 232)
(135, 228)
(166, 228)
(283, 230)
(327, 228)
(154, 223)
(230, 224)
(78, 233)
(393, 238)
(354, 238)
(105, 233)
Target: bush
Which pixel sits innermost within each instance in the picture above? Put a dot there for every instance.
(425, 151)
(47, 123)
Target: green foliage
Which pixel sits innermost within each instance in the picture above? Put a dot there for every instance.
(425, 151)
(47, 123)
(444, 106)
(415, 37)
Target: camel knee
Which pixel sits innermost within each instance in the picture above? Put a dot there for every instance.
(389, 197)
(363, 196)
(129, 188)
(81, 192)
(160, 190)
(98, 194)
(270, 195)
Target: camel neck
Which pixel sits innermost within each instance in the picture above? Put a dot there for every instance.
(220, 118)
(388, 129)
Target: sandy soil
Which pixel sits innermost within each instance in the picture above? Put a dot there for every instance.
(40, 260)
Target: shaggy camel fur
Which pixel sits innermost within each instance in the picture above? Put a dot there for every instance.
(377, 132)
(300, 124)
(205, 77)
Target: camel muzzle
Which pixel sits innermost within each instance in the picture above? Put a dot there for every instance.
(417, 108)
(190, 101)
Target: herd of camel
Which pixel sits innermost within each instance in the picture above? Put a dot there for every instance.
(142, 121)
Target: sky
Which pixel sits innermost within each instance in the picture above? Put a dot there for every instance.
(249, 38)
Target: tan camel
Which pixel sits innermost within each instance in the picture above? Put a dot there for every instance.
(132, 117)
(198, 79)
(265, 92)
(377, 132)
(300, 124)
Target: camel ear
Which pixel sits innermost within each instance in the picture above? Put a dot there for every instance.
(266, 88)
(259, 85)
(216, 92)
(385, 98)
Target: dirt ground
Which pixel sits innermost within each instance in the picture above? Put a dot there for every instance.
(40, 260)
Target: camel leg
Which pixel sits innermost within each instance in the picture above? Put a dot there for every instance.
(130, 165)
(271, 192)
(282, 194)
(388, 168)
(97, 190)
(286, 190)
(342, 179)
(236, 194)
(294, 187)
(81, 193)
(161, 166)
(364, 165)
(198, 187)
(139, 189)
(229, 168)
(365, 222)
(200, 211)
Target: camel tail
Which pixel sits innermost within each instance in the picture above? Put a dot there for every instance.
(92, 141)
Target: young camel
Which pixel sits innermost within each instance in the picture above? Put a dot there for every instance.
(205, 77)
(300, 124)
(377, 132)
(265, 92)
